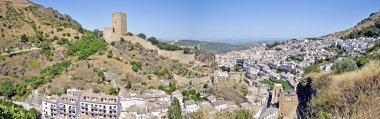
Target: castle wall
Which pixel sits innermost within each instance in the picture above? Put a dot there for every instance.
(173, 55)
(119, 30)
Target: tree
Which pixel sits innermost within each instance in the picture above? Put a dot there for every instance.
(141, 35)
(110, 55)
(345, 65)
(130, 34)
(98, 33)
(175, 110)
(377, 24)
(129, 84)
(7, 89)
(153, 40)
(113, 91)
(24, 38)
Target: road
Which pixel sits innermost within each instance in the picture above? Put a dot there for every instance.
(20, 51)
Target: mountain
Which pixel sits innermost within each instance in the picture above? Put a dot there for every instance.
(369, 27)
(217, 47)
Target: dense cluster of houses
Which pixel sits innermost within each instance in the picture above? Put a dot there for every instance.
(140, 104)
(288, 60)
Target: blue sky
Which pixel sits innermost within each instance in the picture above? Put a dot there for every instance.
(221, 19)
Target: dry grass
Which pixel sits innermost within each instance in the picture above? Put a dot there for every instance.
(349, 95)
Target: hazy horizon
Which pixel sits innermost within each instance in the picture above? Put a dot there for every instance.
(221, 20)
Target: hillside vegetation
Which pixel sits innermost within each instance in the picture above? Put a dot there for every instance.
(348, 95)
(22, 25)
(369, 27)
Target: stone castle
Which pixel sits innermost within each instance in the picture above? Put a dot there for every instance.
(286, 101)
(119, 31)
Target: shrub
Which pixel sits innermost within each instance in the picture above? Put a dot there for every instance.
(175, 110)
(153, 40)
(136, 66)
(24, 38)
(109, 54)
(63, 41)
(7, 88)
(141, 35)
(129, 84)
(130, 34)
(345, 65)
(113, 91)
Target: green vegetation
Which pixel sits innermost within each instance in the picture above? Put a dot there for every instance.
(167, 46)
(333, 49)
(113, 91)
(294, 58)
(24, 87)
(224, 68)
(243, 114)
(371, 31)
(46, 50)
(130, 34)
(33, 63)
(7, 89)
(238, 68)
(129, 85)
(187, 73)
(4, 57)
(314, 67)
(161, 72)
(191, 95)
(171, 88)
(88, 45)
(136, 66)
(285, 84)
(272, 45)
(141, 35)
(109, 54)
(63, 41)
(9, 110)
(24, 38)
(175, 110)
(345, 65)
(153, 40)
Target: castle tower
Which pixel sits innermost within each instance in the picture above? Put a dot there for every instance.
(119, 23)
(277, 89)
(118, 29)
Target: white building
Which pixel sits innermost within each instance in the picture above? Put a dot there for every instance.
(50, 106)
(191, 106)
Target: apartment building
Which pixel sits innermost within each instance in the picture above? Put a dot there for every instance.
(99, 106)
(50, 106)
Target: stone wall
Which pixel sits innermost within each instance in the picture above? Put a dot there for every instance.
(174, 55)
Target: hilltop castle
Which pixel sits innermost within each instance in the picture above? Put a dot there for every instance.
(118, 31)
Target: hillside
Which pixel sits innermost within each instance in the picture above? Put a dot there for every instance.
(68, 56)
(22, 24)
(217, 47)
(369, 27)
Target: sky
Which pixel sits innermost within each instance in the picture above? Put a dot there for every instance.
(224, 20)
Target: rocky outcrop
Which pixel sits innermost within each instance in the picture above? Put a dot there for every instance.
(207, 58)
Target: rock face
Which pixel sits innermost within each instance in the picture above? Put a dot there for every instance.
(207, 58)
